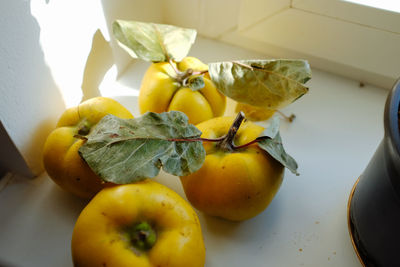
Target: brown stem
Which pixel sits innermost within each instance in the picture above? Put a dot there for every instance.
(197, 139)
(288, 118)
(177, 71)
(199, 72)
(84, 138)
(258, 139)
(182, 76)
(83, 127)
(188, 73)
(220, 139)
(227, 143)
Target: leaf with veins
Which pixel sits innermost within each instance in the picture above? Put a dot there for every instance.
(128, 150)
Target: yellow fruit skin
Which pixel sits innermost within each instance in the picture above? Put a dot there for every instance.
(190, 102)
(99, 240)
(60, 154)
(233, 185)
(161, 92)
(254, 113)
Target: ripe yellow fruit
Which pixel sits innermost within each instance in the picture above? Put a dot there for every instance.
(254, 113)
(162, 90)
(144, 224)
(235, 185)
(60, 156)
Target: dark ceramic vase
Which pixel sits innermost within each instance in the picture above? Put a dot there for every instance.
(374, 203)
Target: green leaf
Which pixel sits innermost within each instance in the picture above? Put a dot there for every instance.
(271, 84)
(127, 150)
(153, 42)
(273, 127)
(275, 148)
(195, 82)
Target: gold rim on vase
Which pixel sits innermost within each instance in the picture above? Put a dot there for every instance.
(349, 224)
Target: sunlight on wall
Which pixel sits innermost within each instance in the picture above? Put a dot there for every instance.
(111, 87)
(382, 4)
(66, 32)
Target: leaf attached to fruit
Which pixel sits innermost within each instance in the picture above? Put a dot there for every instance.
(273, 145)
(153, 42)
(271, 84)
(128, 150)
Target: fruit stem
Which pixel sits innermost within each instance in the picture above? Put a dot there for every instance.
(199, 72)
(142, 236)
(227, 143)
(258, 139)
(288, 118)
(83, 128)
(173, 65)
(182, 76)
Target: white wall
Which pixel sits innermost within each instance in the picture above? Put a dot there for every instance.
(30, 101)
(48, 57)
(147, 11)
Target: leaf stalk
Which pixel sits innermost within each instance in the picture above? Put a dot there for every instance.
(289, 118)
(182, 77)
(227, 144)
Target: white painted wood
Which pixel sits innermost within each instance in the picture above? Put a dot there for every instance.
(274, 51)
(337, 129)
(210, 18)
(350, 12)
(381, 4)
(218, 17)
(11, 159)
(331, 40)
(254, 11)
(187, 14)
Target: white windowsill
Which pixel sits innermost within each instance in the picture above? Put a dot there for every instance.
(333, 137)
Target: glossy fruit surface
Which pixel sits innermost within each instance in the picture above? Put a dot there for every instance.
(254, 113)
(144, 224)
(162, 90)
(60, 156)
(235, 185)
